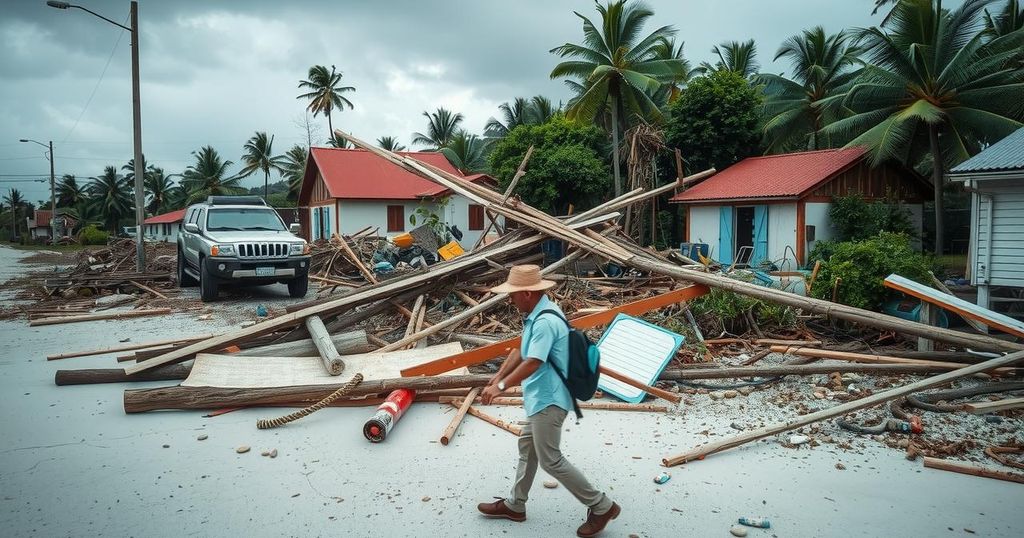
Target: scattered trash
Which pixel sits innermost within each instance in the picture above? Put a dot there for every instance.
(760, 522)
(261, 311)
(380, 424)
(662, 478)
(425, 498)
(798, 439)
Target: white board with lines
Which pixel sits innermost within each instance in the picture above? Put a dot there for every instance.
(637, 350)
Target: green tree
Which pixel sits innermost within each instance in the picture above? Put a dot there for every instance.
(295, 169)
(111, 198)
(937, 90)
(513, 115)
(208, 176)
(567, 165)
(69, 192)
(617, 68)
(466, 152)
(14, 201)
(442, 126)
(159, 190)
(390, 143)
(666, 49)
(735, 56)
(542, 109)
(259, 155)
(714, 122)
(796, 109)
(324, 93)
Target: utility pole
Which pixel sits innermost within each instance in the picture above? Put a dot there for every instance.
(53, 201)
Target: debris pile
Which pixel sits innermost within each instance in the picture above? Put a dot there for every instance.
(420, 330)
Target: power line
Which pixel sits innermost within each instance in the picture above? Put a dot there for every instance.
(97, 86)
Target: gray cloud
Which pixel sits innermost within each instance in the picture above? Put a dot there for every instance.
(213, 72)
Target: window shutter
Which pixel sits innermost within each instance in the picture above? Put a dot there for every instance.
(476, 217)
(396, 218)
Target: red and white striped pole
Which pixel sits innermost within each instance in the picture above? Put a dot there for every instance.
(380, 424)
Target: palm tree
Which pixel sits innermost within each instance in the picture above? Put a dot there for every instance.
(259, 155)
(390, 143)
(337, 142)
(208, 176)
(616, 68)
(325, 95)
(111, 198)
(295, 169)
(795, 109)
(160, 190)
(69, 192)
(666, 49)
(14, 200)
(514, 115)
(129, 170)
(1009, 20)
(541, 109)
(442, 126)
(937, 90)
(736, 57)
(466, 152)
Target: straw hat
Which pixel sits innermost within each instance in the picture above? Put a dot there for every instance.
(523, 278)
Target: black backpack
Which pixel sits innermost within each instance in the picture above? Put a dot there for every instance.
(584, 362)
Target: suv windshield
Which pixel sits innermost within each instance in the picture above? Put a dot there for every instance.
(242, 218)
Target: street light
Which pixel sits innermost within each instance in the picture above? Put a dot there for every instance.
(140, 193)
(53, 199)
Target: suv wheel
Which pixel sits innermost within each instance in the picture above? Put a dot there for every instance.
(297, 287)
(207, 283)
(185, 280)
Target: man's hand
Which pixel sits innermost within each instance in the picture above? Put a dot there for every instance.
(489, 393)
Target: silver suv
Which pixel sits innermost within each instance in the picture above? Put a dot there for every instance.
(239, 239)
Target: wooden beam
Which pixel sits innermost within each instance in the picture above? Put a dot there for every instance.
(839, 410)
(497, 349)
(974, 470)
(992, 407)
(324, 346)
(96, 317)
(129, 347)
(654, 391)
(147, 288)
(510, 428)
(450, 430)
(601, 406)
(955, 304)
(868, 358)
(178, 397)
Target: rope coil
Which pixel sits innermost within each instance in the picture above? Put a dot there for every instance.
(266, 424)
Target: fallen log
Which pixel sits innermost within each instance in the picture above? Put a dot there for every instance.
(98, 317)
(324, 346)
(511, 428)
(178, 397)
(839, 410)
(88, 376)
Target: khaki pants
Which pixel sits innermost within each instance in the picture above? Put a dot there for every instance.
(539, 445)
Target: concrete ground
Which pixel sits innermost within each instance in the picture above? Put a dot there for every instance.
(73, 464)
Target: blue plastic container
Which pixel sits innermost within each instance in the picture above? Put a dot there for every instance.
(690, 250)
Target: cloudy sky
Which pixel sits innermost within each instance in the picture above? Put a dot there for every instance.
(215, 71)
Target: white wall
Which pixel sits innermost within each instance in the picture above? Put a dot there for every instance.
(157, 231)
(1007, 237)
(457, 213)
(704, 221)
(782, 234)
(356, 215)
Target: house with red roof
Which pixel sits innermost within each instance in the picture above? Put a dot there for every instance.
(164, 227)
(347, 190)
(775, 207)
(39, 223)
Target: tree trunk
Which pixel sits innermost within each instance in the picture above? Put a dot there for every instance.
(266, 184)
(933, 138)
(615, 145)
(330, 127)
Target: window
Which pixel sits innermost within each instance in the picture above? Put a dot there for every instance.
(167, 229)
(244, 219)
(476, 217)
(396, 218)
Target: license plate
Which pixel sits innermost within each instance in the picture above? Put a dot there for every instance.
(264, 271)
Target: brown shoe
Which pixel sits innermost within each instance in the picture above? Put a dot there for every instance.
(596, 523)
(499, 510)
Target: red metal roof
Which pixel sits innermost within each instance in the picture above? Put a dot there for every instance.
(173, 216)
(789, 175)
(357, 174)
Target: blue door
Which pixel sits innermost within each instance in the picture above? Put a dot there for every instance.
(316, 223)
(725, 235)
(760, 235)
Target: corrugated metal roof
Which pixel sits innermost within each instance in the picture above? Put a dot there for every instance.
(173, 216)
(360, 175)
(789, 175)
(1007, 154)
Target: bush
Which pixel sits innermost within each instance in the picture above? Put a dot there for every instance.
(730, 309)
(91, 235)
(856, 219)
(863, 266)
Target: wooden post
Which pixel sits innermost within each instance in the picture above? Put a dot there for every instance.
(863, 357)
(839, 410)
(514, 430)
(928, 317)
(95, 317)
(129, 347)
(603, 406)
(654, 391)
(449, 432)
(322, 340)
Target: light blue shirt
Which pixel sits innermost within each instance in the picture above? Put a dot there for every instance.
(546, 339)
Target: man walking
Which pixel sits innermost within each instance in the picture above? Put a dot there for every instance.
(545, 346)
